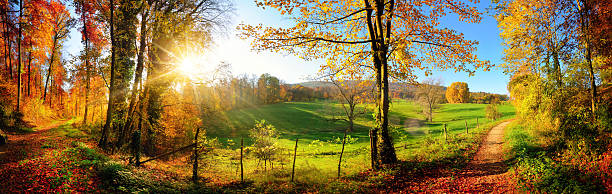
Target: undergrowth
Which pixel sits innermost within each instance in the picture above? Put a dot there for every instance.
(547, 169)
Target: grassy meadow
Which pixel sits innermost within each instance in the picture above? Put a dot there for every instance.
(418, 142)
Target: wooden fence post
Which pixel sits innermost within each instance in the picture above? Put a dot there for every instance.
(241, 167)
(466, 128)
(445, 135)
(294, 154)
(477, 125)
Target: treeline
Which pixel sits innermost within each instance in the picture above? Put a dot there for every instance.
(245, 91)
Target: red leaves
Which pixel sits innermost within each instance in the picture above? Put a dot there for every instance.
(52, 172)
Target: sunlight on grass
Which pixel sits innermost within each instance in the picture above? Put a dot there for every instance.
(318, 151)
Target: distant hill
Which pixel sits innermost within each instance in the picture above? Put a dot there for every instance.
(315, 84)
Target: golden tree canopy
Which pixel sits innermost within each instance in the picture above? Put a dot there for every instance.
(458, 92)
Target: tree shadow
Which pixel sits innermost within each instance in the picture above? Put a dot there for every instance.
(294, 119)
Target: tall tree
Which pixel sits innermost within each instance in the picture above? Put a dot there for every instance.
(109, 110)
(60, 22)
(125, 45)
(390, 33)
(20, 24)
(139, 64)
(174, 22)
(85, 8)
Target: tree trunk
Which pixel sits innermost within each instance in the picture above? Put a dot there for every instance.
(342, 151)
(29, 71)
(51, 59)
(387, 151)
(19, 57)
(10, 63)
(87, 87)
(241, 165)
(139, 70)
(584, 14)
(109, 112)
(5, 43)
(196, 156)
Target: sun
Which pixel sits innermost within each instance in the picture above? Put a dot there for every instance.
(188, 65)
(191, 66)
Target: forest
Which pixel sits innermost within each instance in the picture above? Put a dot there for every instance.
(122, 96)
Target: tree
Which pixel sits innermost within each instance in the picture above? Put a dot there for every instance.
(19, 38)
(351, 94)
(89, 31)
(172, 24)
(429, 94)
(60, 23)
(458, 92)
(390, 33)
(269, 88)
(125, 52)
(109, 110)
(139, 66)
(541, 37)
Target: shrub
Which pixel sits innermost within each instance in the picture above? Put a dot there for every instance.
(265, 141)
(492, 112)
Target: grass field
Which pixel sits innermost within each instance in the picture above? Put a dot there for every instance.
(319, 139)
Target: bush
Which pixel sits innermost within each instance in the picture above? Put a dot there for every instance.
(542, 173)
(539, 171)
(265, 141)
(492, 112)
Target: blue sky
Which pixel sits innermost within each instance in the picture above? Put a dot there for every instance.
(230, 49)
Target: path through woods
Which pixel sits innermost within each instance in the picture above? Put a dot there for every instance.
(37, 161)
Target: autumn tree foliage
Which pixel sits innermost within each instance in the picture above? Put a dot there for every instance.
(380, 39)
(556, 65)
(92, 39)
(458, 92)
(268, 88)
(32, 35)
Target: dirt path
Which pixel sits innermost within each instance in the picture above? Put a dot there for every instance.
(486, 173)
(21, 146)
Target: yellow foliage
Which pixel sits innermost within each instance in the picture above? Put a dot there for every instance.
(458, 92)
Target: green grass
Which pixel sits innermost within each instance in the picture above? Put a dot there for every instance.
(68, 130)
(318, 149)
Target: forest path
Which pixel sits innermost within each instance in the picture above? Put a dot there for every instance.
(25, 145)
(486, 173)
(40, 161)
